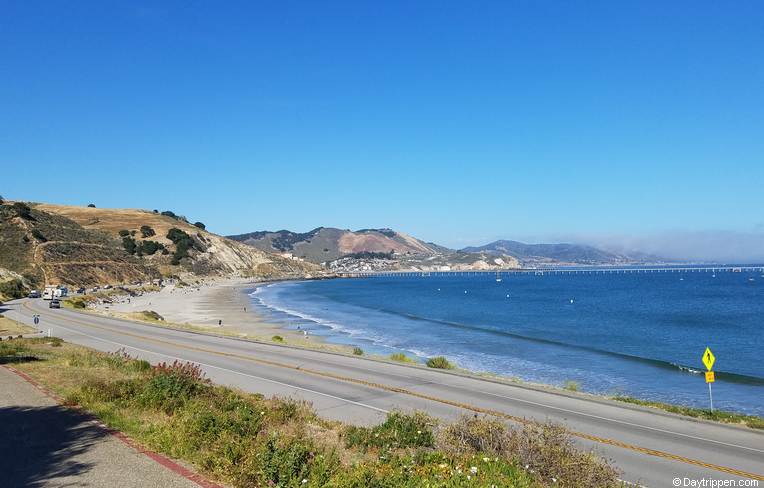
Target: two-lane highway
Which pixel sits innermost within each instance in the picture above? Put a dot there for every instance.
(652, 448)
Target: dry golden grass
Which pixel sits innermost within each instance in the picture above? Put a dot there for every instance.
(11, 327)
(112, 220)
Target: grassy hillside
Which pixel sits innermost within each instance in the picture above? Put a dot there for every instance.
(86, 246)
(47, 248)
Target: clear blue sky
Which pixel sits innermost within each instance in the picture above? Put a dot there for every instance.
(455, 123)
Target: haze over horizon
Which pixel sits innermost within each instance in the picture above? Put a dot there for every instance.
(634, 126)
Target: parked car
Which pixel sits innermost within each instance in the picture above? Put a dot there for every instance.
(55, 303)
(34, 294)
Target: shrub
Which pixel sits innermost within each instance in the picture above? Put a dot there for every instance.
(571, 385)
(183, 242)
(13, 288)
(439, 362)
(199, 225)
(91, 205)
(23, 210)
(124, 233)
(152, 315)
(150, 247)
(546, 449)
(172, 385)
(38, 235)
(401, 358)
(277, 338)
(399, 430)
(129, 244)
(358, 351)
(147, 231)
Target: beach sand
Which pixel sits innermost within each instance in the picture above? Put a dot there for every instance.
(201, 307)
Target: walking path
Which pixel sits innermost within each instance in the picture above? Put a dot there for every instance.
(45, 445)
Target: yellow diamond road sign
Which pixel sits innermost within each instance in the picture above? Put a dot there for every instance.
(708, 359)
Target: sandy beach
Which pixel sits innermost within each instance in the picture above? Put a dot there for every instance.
(218, 306)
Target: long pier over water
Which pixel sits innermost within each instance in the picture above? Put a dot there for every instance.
(566, 270)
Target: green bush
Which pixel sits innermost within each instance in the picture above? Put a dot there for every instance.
(13, 289)
(399, 430)
(38, 235)
(358, 351)
(183, 243)
(439, 362)
(129, 244)
(200, 225)
(172, 385)
(571, 385)
(147, 231)
(91, 205)
(277, 338)
(401, 358)
(23, 210)
(124, 233)
(150, 247)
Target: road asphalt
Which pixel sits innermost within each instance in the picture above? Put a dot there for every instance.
(652, 448)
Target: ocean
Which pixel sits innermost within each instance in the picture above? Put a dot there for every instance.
(639, 334)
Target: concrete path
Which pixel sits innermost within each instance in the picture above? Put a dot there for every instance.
(43, 444)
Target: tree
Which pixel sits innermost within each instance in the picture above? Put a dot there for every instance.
(200, 225)
(147, 231)
(129, 244)
(2, 200)
(23, 210)
(124, 233)
(91, 205)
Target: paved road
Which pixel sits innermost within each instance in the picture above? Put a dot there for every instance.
(652, 448)
(47, 445)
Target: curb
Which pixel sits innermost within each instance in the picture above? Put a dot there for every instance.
(154, 456)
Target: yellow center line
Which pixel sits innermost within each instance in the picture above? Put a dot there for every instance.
(424, 396)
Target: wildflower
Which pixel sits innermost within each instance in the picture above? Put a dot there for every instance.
(554, 480)
(304, 480)
(473, 469)
(486, 460)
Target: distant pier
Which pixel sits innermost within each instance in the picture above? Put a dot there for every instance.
(557, 271)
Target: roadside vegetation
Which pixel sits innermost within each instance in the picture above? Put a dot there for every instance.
(248, 440)
(401, 358)
(718, 415)
(439, 362)
(11, 327)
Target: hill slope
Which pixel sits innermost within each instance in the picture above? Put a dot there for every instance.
(530, 254)
(324, 244)
(86, 246)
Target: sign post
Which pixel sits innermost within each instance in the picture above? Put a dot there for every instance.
(708, 360)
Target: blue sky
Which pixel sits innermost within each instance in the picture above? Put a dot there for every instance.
(458, 123)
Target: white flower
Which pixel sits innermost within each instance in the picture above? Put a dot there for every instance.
(485, 459)
(304, 481)
(473, 469)
(554, 480)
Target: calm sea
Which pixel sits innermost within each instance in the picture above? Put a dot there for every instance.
(633, 334)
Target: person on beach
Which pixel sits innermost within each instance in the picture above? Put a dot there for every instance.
(220, 323)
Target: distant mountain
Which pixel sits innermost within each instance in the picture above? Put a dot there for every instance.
(324, 244)
(540, 254)
(343, 250)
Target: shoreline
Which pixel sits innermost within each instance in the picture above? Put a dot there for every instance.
(197, 308)
(217, 306)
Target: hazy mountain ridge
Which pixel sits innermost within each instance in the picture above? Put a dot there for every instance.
(561, 253)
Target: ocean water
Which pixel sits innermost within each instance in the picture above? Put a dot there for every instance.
(633, 334)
